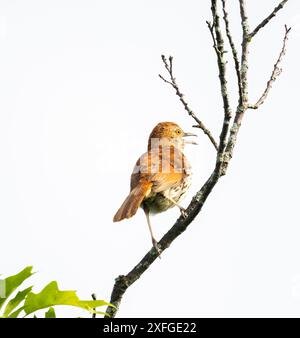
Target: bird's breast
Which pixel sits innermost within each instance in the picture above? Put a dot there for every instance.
(162, 201)
(178, 192)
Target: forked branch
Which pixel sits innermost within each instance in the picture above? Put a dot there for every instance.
(268, 18)
(168, 63)
(275, 73)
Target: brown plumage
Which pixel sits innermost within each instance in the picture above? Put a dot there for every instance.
(133, 201)
(161, 176)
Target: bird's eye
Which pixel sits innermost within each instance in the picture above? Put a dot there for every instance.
(178, 131)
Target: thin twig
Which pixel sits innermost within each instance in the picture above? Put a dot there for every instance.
(275, 73)
(268, 18)
(218, 41)
(233, 48)
(169, 67)
(211, 27)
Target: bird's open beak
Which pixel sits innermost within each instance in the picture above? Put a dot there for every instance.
(189, 134)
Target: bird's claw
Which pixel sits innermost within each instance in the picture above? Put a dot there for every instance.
(183, 212)
(155, 245)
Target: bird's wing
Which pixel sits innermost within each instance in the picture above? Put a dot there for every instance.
(160, 167)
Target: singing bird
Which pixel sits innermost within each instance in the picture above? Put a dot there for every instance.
(161, 176)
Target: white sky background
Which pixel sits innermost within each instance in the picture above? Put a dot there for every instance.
(79, 94)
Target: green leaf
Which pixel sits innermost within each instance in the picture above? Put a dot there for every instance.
(12, 282)
(16, 313)
(92, 303)
(12, 304)
(51, 296)
(50, 313)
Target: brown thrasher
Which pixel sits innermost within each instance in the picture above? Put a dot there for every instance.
(161, 176)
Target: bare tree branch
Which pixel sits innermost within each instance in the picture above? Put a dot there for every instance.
(275, 73)
(169, 67)
(243, 102)
(218, 41)
(268, 18)
(122, 283)
(233, 48)
(245, 52)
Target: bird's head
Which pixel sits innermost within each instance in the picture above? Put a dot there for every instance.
(168, 133)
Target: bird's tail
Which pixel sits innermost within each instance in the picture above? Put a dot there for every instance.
(133, 201)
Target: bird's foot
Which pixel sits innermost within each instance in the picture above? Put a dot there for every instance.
(183, 212)
(157, 248)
